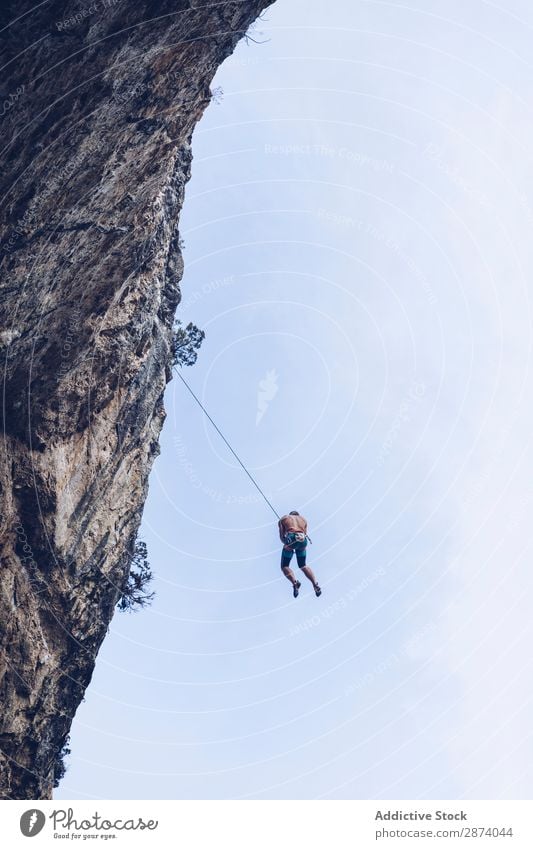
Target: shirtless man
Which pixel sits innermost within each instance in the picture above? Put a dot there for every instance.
(293, 534)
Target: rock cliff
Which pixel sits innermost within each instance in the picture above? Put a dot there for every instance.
(97, 106)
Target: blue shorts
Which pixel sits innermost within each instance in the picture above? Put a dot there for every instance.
(298, 548)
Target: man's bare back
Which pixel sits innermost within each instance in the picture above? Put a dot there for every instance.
(290, 523)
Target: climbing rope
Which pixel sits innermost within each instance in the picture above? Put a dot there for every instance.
(227, 443)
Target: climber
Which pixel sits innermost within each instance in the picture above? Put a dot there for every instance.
(293, 534)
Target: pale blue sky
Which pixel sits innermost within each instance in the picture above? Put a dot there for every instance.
(358, 226)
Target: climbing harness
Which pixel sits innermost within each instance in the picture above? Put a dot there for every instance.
(295, 537)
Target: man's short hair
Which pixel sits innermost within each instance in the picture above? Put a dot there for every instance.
(294, 513)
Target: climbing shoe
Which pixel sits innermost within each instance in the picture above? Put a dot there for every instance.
(296, 589)
(318, 591)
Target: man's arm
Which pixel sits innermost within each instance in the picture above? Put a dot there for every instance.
(281, 530)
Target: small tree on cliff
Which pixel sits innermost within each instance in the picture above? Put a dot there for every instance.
(60, 767)
(134, 593)
(186, 343)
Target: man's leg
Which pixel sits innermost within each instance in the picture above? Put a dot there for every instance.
(287, 571)
(286, 557)
(308, 572)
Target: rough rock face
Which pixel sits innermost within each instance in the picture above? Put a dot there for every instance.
(98, 103)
